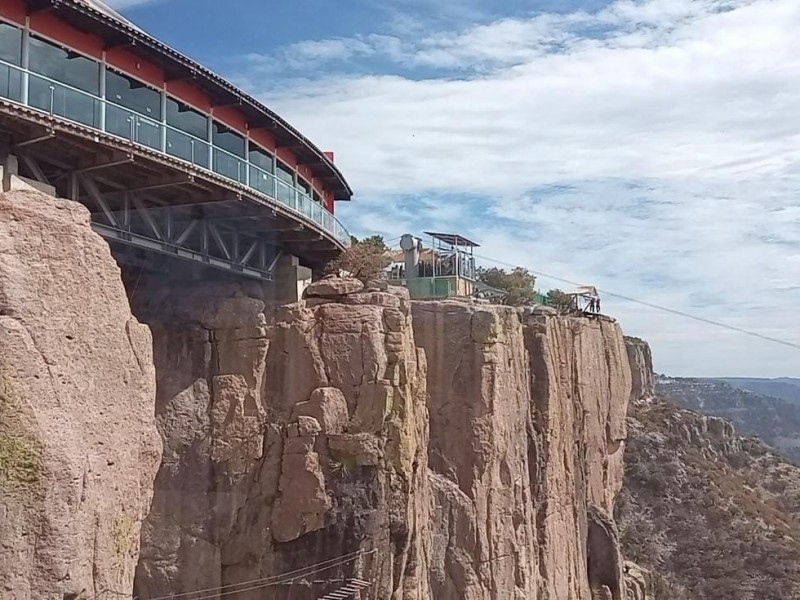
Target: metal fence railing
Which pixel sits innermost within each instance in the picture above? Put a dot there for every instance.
(61, 100)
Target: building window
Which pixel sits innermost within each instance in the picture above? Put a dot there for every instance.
(187, 133)
(133, 94)
(286, 192)
(261, 158)
(227, 139)
(261, 169)
(10, 52)
(305, 187)
(229, 150)
(284, 173)
(69, 83)
(10, 44)
(64, 66)
(134, 110)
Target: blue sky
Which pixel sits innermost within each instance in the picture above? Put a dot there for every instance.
(651, 147)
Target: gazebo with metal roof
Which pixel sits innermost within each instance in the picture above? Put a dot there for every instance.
(446, 269)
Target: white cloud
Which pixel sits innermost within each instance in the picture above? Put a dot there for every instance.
(652, 148)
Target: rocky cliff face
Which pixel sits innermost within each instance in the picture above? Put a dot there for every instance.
(293, 436)
(775, 421)
(78, 443)
(527, 430)
(641, 362)
(437, 450)
(580, 386)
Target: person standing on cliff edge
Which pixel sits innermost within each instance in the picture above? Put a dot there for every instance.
(597, 305)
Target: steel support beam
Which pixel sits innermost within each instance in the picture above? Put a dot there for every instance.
(112, 163)
(94, 194)
(34, 168)
(117, 235)
(42, 138)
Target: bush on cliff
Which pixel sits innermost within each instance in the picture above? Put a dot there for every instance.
(518, 284)
(363, 260)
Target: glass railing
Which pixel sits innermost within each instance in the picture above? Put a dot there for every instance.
(82, 107)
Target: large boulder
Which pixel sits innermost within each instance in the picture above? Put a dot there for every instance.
(333, 287)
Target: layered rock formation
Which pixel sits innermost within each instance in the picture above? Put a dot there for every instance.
(293, 435)
(440, 450)
(688, 473)
(78, 443)
(641, 363)
(480, 417)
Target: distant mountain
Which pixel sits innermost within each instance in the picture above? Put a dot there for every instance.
(774, 420)
(785, 388)
(715, 516)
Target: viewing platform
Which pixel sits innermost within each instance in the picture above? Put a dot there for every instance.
(168, 157)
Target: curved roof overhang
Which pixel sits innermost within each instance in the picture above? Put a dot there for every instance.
(118, 32)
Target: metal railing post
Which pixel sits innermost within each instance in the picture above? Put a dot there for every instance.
(25, 64)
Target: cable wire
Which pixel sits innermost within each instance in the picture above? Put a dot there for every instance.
(666, 309)
(273, 579)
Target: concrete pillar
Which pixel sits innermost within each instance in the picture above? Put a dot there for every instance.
(291, 279)
(12, 181)
(9, 166)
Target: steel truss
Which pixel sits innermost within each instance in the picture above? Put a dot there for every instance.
(171, 231)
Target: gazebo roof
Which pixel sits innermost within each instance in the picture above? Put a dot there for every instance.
(452, 238)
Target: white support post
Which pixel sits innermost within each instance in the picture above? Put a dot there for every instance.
(103, 93)
(26, 59)
(164, 121)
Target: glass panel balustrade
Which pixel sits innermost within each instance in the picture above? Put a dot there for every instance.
(10, 82)
(132, 126)
(82, 107)
(63, 101)
(230, 166)
(189, 148)
(262, 181)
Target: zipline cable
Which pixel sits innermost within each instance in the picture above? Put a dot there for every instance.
(666, 309)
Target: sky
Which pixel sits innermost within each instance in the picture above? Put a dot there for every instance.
(648, 147)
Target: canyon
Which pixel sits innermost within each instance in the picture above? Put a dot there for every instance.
(179, 432)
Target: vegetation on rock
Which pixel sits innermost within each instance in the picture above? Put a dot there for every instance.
(20, 452)
(519, 284)
(363, 260)
(561, 301)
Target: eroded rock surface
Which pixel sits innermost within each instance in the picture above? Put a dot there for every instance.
(293, 435)
(527, 435)
(299, 434)
(78, 443)
(480, 415)
(641, 362)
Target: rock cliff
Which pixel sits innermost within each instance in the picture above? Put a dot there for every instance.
(293, 436)
(413, 451)
(78, 443)
(527, 431)
(641, 362)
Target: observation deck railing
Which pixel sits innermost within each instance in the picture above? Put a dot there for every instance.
(58, 99)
